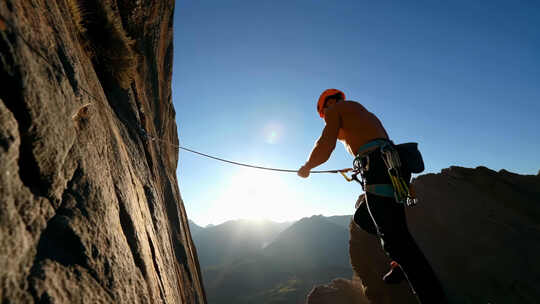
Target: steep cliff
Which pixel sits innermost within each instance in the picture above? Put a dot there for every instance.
(90, 209)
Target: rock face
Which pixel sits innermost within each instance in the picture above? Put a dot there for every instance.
(370, 263)
(479, 228)
(339, 291)
(90, 209)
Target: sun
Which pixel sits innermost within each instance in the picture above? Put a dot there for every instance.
(272, 132)
(257, 195)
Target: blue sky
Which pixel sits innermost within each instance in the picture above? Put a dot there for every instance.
(460, 78)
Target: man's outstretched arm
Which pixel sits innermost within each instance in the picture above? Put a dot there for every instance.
(325, 144)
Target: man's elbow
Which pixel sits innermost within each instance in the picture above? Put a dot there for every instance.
(328, 150)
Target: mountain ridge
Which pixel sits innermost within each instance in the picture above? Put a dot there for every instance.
(285, 269)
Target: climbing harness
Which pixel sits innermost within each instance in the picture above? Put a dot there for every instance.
(398, 189)
(391, 159)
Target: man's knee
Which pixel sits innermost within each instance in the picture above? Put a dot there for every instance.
(363, 219)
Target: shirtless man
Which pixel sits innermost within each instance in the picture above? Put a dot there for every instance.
(363, 133)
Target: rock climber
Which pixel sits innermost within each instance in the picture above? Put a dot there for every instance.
(363, 134)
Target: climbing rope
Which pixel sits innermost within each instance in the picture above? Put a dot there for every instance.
(3, 27)
(342, 171)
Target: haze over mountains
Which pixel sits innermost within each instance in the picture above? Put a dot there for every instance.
(262, 261)
(231, 240)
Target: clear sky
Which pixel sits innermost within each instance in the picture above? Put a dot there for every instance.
(462, 78)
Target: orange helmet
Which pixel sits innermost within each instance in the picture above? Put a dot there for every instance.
(322, 99)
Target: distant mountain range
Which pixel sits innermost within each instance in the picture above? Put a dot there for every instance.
(266, 262)
(233, 240)
(194, 228)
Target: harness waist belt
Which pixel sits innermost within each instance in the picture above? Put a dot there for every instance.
(380, 189)
(371, 146)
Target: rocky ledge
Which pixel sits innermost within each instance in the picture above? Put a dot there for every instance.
(479, 228)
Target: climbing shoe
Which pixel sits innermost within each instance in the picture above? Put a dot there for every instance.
(395, 275)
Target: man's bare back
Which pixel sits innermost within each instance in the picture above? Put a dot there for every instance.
(357, 125)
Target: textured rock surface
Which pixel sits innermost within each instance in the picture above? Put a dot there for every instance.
(339, 291)
(89, 207)
(370, 263)
(479, 228)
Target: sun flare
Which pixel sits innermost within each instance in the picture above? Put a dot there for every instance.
(257, 195)
(273, 132)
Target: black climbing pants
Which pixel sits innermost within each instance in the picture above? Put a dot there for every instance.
(396, 239)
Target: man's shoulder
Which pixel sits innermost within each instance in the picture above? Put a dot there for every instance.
(351, 103)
